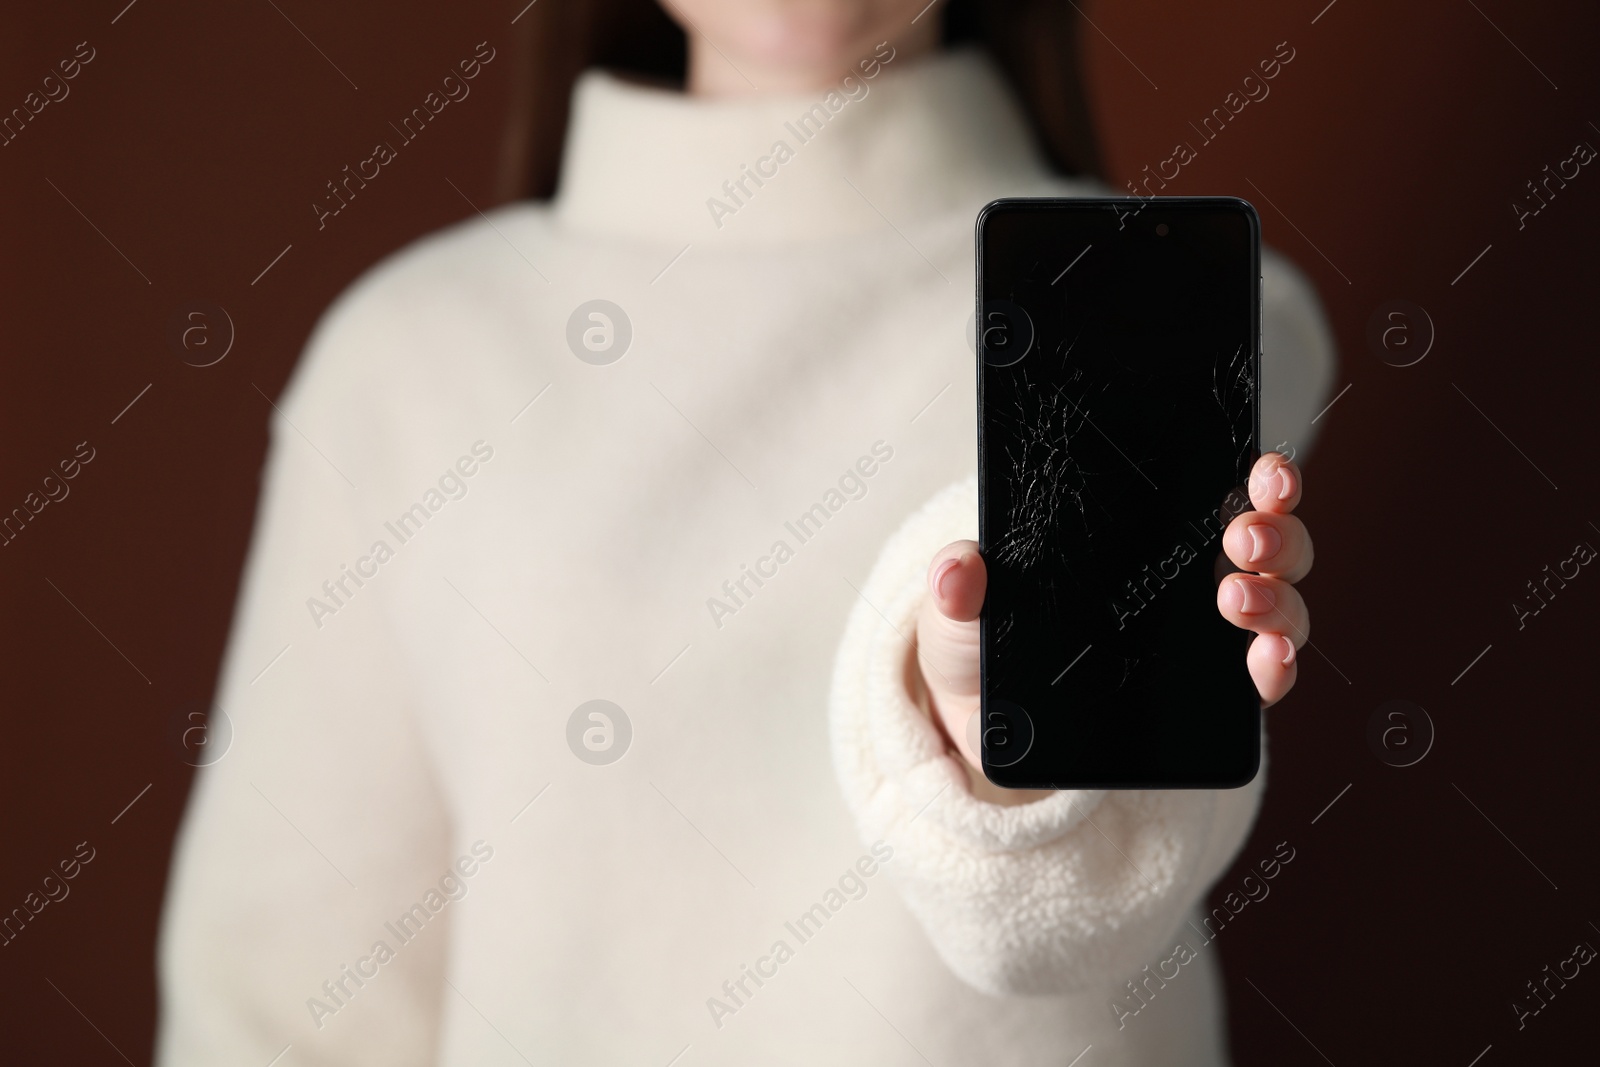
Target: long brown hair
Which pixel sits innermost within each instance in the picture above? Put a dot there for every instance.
(1033, 42)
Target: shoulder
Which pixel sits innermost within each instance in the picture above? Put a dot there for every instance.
(427, 281)
(422, 348)
(424, 304)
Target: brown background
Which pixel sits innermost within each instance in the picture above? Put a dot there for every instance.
(1395, 141)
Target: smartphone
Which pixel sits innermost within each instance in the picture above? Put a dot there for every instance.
(1118, 415)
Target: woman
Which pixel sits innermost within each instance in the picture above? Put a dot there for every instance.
(595, 545)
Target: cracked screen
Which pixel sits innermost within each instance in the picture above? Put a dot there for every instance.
(1117, 426)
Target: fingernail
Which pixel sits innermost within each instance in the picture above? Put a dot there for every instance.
(1254, 598)
(1288, 657)
(1285, 483)
(1264, 541)
(941, 575)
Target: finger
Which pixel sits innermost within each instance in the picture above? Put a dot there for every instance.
(957, 579)
(947, 630)
(1276, 545)
(1274, 665)
(947, 640)
(1265, 605)
(1275, 484)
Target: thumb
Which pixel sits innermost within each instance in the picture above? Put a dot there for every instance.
(947, 639)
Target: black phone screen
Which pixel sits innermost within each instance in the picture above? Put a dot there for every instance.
(1118, 404)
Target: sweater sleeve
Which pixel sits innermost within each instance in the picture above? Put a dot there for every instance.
(1298, 359)
(1086, 885)
(1050, 897)
(319, 820)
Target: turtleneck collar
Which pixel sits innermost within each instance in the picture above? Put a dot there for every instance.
(927, 137)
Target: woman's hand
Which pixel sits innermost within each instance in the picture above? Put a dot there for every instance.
(1269, 544)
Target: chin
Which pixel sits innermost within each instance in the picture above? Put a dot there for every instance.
(825, 34)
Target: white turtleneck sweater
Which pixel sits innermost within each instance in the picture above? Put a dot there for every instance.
(413, 851)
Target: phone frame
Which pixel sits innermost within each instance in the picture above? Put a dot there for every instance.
(1006, 776)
